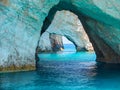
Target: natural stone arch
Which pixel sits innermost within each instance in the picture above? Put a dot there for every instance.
(66, 23)
(103, 47)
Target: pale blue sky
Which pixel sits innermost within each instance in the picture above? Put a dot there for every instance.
(66, 41)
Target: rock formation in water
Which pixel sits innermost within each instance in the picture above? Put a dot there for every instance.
(21, 22)
(100, 20)
(56, 42)
(50, 43)
(67, 24)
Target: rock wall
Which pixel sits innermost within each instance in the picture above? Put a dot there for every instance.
(50, 43)
(45, 43)
(20, 24)
(56, 42)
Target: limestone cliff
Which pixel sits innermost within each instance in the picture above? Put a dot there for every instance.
(20, 23)
(45, 43)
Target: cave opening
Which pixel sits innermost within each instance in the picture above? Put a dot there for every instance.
(65, 23)
(68, 45)
(100, 55)
(65, 27)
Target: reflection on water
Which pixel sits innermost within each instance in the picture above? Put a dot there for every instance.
(65, 71)
(60, 75)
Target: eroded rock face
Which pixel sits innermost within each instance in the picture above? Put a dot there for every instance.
(67, 24)
(45, 43)
(50, 43)
(101, 21)
(56, 42)
(21, 22)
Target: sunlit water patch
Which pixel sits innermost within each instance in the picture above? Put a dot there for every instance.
(68, 56)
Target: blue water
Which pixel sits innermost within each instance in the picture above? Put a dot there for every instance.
(66, 70)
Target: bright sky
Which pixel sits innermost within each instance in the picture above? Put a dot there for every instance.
(66, 41)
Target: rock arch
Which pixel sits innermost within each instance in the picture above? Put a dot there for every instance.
(67, 24)
(95, 26)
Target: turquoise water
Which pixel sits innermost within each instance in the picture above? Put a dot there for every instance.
(66, 70)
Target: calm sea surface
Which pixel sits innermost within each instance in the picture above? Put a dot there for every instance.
(65, 70)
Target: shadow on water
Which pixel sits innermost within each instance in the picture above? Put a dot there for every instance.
(78, 74)
(81, 75)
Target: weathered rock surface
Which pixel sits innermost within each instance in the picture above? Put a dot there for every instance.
(67, 24)
(50, 43)
(45, 43)
(21, 22)
(101, 21)
(56, 42)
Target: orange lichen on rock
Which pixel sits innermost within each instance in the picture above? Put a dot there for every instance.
(5, 2)
(14, 68)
